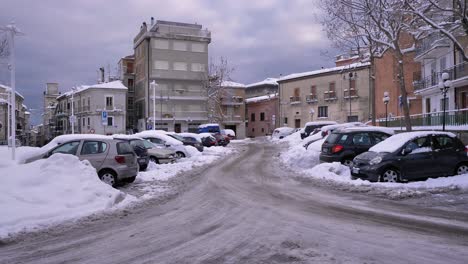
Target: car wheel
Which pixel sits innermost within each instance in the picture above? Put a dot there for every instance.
(347, 162)
(390, 175)
(180, 154)
(462, 169)
(130, 180)
(154, 159)
(108, 177)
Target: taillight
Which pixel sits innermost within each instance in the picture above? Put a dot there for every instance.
(337, 148)
(120, 159)
(466, 151)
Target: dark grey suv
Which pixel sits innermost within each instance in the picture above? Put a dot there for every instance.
(412, 156)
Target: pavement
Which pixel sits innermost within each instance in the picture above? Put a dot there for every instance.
(250, 209)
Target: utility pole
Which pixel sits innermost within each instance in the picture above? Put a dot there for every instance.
(153, 86)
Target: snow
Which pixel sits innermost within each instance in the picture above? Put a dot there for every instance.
(156, 134)
(230, 132)
(231, 84)
(267, 81)
(196, 136)
(317, 123)
(21, 154)
(371, 128)
(8, 88)
(311, 73)
(108, 85)
(208, 125)
(333, 127)
(52, 190)
(261, 98)
(205, 135)
(397, 141)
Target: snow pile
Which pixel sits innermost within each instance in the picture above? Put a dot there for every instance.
(300, 158)
(51, 190)
(21, 154)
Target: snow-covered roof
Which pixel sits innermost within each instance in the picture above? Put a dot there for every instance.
(108, 85)
(208, 125)
(326, 70)
(8, 88)
(261, 98)
(159, 135)
(267, 81)
(232, 84)
(314, 123)
(397, 141)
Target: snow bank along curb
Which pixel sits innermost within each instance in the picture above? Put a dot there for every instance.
(307, 163)
(52, 190)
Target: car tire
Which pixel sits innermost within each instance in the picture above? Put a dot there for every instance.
(347, 162)
(154, 159)
(109, 177)
(130, 179)
(461, 169)
(390, 175)
(180, 154)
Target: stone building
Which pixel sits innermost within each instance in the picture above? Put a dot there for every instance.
(338, 94)
(175, 56)
(127, 76)
(230, 111)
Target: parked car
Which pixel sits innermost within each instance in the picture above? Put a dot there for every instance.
(114, 160)
(282, 132)
(221, 140)
(346, 143)
(140, 150)
(208, 140)
(312, 127)
(230, 133)
(187, 142)
(209, 128)
(160, 139)
(322, 132)
(411, 156)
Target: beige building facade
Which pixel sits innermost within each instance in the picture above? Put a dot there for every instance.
(337, 94)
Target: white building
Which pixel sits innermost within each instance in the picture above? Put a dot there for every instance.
(99, 109)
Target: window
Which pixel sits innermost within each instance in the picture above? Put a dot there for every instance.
(262, 117)
(161, 44)
(263, 130)
(443, 142)
(253, 129)
(361, 139)
(378, 137)
(180, 66)
(130, 85)
(198, 47)
(124, 148)
(109, 102)
(198, 67)
(442, 104)
(67, 148)
(428, 105)
(297, 92)
(352, 88)
(285, 120)
(322, 111)
(443, 63)
(252, 117)
(330, 94)
(84, 122)
(156, 141)
(419, 145)
(93, 147)
(89, 122)
(160, 65)
(110, 121)
(180, 45)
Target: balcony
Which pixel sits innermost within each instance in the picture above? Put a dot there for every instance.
(234, 100)
(454, 119)
(433, 41)
(311, 98)
(113, 108)
(295, 99)
(330, 96)
(456, 72)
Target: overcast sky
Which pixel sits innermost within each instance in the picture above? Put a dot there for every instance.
(67, 41)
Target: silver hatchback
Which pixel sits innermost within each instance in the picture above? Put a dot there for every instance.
(114, 160)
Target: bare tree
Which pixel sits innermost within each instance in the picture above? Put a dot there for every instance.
(450, 18)
(217, 74)
(375, 25)
(4, 52)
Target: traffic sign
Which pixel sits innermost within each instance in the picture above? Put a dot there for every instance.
(104, 117)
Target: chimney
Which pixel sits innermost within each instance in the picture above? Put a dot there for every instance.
(102, 74)
(152, 21)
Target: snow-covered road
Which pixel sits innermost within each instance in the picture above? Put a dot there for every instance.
(248, 209)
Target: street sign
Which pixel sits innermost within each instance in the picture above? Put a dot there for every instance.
(72, 119)
(104, 117)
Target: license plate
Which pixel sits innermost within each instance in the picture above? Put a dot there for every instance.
(355, 170)
(141, 160)
(325, 150)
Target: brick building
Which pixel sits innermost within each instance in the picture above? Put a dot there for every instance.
(262, 113)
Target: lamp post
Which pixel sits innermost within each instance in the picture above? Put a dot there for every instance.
(153, 85)
(444, 85)
(352, 76)
(386, 99)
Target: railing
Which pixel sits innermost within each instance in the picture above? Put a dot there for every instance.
(311, 98)
(434, 119)
(330, 95)
(431, 41)
(295, 99)
(455, 72)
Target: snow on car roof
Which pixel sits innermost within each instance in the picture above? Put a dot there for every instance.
(313, 123)
(159, 135)
(331, 127)
(370, 128)
(127, 137)
(192, 135)
(229, 132)
(205, 135)
(284, 129)
(397, 141)
(207, 125)
(65, 138)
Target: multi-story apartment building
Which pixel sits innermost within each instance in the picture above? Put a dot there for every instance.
(21, 114)
(175, 56)
(127, 76)
(49, 104)
(265, 87)
(98, 109)
(230, 110)
(338, 94)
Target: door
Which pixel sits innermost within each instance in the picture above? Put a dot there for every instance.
(419, 163)
(297, 123)
(177, 128)
(446, 154)
(95, 152)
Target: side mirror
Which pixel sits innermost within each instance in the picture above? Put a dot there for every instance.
(406, 151)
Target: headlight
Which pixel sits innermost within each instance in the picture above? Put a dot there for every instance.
(375, 160)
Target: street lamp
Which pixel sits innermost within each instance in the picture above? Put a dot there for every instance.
(444, 85)
(386, 99)
(153, 85)
(352, 76)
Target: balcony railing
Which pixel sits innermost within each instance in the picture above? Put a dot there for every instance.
(295, 99)
(311, 98)
(431, 41)
(434, 120)
(456, 72)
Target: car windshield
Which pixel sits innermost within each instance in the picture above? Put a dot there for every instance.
(176, 137)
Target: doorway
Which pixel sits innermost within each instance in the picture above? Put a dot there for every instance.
(297, 123)
(177, 128)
